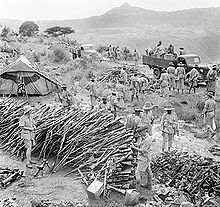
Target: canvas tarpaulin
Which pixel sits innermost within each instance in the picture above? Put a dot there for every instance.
(35, 82)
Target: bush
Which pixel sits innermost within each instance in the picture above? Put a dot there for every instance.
(60, 55)
(36, 57)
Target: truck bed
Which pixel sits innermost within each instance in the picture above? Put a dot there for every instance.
(155, 61)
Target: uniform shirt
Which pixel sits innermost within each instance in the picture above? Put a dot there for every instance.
(66, 98)
(124, 75)
(103, 106)
(136, 56)
(26, 121)
(193, 74)
(210, 106)
(164, 79)
(212, 75)
(169, 123)
(134, 82)
(91, 87)
(171, 71)
(120, 89)
(146, 146)
(147, 120)
(133, 121)
(180, 72)
(113, 102)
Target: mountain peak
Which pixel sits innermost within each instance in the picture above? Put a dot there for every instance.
(125, 5)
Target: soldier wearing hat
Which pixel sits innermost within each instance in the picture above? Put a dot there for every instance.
(170, 126)
(27, 125)
(92, 88)
(209, 114)
(104, 104)
(171, 74)
(212, 79)
(134, 120)
(180, 73)
(66, 97)
(143, 148)
(113, 103)
(192, 77)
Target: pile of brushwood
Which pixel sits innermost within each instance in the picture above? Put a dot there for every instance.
(194, 175)
(83, 140)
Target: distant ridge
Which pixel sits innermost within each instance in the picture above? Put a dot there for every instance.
(129, 16)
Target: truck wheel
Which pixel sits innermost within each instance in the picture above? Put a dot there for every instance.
(157, 73)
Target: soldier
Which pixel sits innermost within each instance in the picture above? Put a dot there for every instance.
(111, 52)
(143, 82)
(134, 120)
(104, 104)
(209, 115)
(212, 79)
(66, 97)
(143, 147)
(91, 87)
(171, 74)
(27, 125)
(193, 76)
(124, 76)
(136, 57)
(125, 54)
(180, 72)
(134, 87)
(121, 94)
(164, 82)
(170, 127)
(113, 103)
(21, 91)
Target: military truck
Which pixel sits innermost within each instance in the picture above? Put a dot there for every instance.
(189, 60)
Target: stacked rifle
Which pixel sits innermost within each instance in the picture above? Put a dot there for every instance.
(194, 175)
(83, 140)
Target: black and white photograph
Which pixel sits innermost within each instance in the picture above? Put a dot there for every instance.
(110, 103)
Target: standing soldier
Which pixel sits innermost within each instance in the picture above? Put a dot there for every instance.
(180, 72)
(143, 84)
(27, 126)
(136, 57)
(125, 54)
(113, 103)
(134, 87)
(212, 79)
(121, 93)
(134, 120)
(171, 74)
(66, 97)
(104, 104)
(164, 82)
(111, 53)
(143, 147)
(209, 115)
(170, 127)
(193, 76)
(91, 87)
(124, 76)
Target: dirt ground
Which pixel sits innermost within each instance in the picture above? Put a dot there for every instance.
(57, 188)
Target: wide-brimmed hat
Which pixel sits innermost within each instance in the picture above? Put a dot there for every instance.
(148, 106)
(27, 109)
(210, 94)
(186, 204)
(104, 97)
(114, 92)
(171, 64)
(138, 110)
(92, 79)
(180, 63)
(196, 66)
(169, 107)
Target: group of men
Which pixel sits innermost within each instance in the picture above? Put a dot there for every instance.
(141, 123)
(174, 78)
(115, 53)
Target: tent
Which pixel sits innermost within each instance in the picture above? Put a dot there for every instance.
(36, 83)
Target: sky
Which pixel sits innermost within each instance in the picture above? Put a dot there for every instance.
(77, 9)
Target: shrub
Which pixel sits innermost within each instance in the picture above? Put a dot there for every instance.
(36, 57)
(60, 55)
